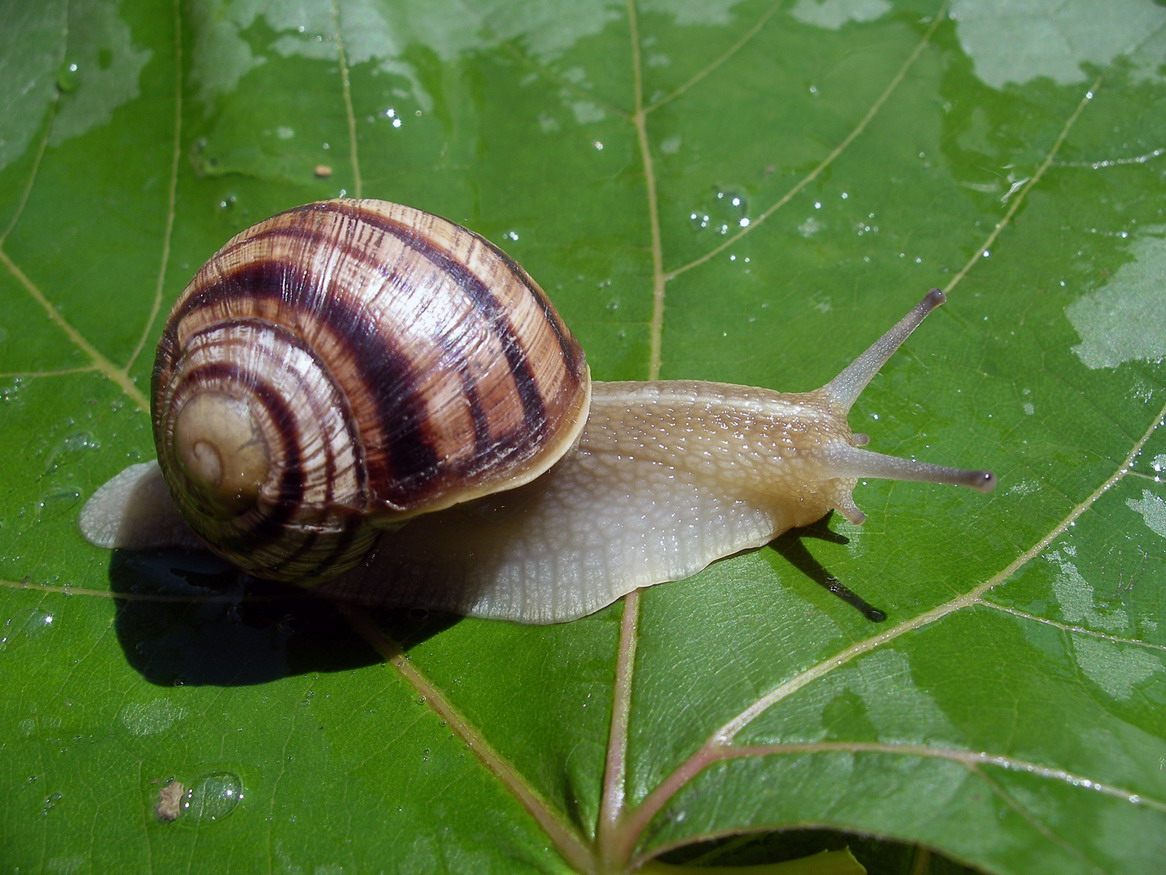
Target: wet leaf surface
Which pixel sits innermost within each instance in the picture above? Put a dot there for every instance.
(737, 191)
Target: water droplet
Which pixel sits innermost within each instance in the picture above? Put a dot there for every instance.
(70, 449)
(25, 625)
(68, 79)
(810, 227)
(51, 802)
(57, 503)
(213, 796)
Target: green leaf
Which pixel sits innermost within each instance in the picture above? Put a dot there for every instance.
(738, 191)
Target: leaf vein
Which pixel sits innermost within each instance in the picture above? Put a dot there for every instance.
(100, 362)
(1072, 627)
(834, 154)
(970, 758)
(562, 834)
(729, 53)
(171, 194)
(346, 91)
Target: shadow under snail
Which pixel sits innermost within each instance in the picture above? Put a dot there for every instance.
(367, 399)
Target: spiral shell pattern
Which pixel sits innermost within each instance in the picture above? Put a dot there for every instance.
(349, 364)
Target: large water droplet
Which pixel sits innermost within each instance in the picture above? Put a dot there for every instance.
(68, 77)
(213, 796)
(25, 624)
(57, 503)
(70, 449)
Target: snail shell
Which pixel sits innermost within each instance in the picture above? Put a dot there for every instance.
(369, 399)
(346, 365)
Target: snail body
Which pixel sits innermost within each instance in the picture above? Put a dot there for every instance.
(446, 468)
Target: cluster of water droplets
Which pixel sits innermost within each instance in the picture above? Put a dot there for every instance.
(727, 213)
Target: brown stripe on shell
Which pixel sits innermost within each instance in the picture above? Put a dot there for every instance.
(568, 347)
(481, 423)
(520, 315)
(407, 228)
(484, 301)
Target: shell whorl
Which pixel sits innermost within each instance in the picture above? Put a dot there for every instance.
(354, 363)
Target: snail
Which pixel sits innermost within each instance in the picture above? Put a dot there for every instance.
(370, 400)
